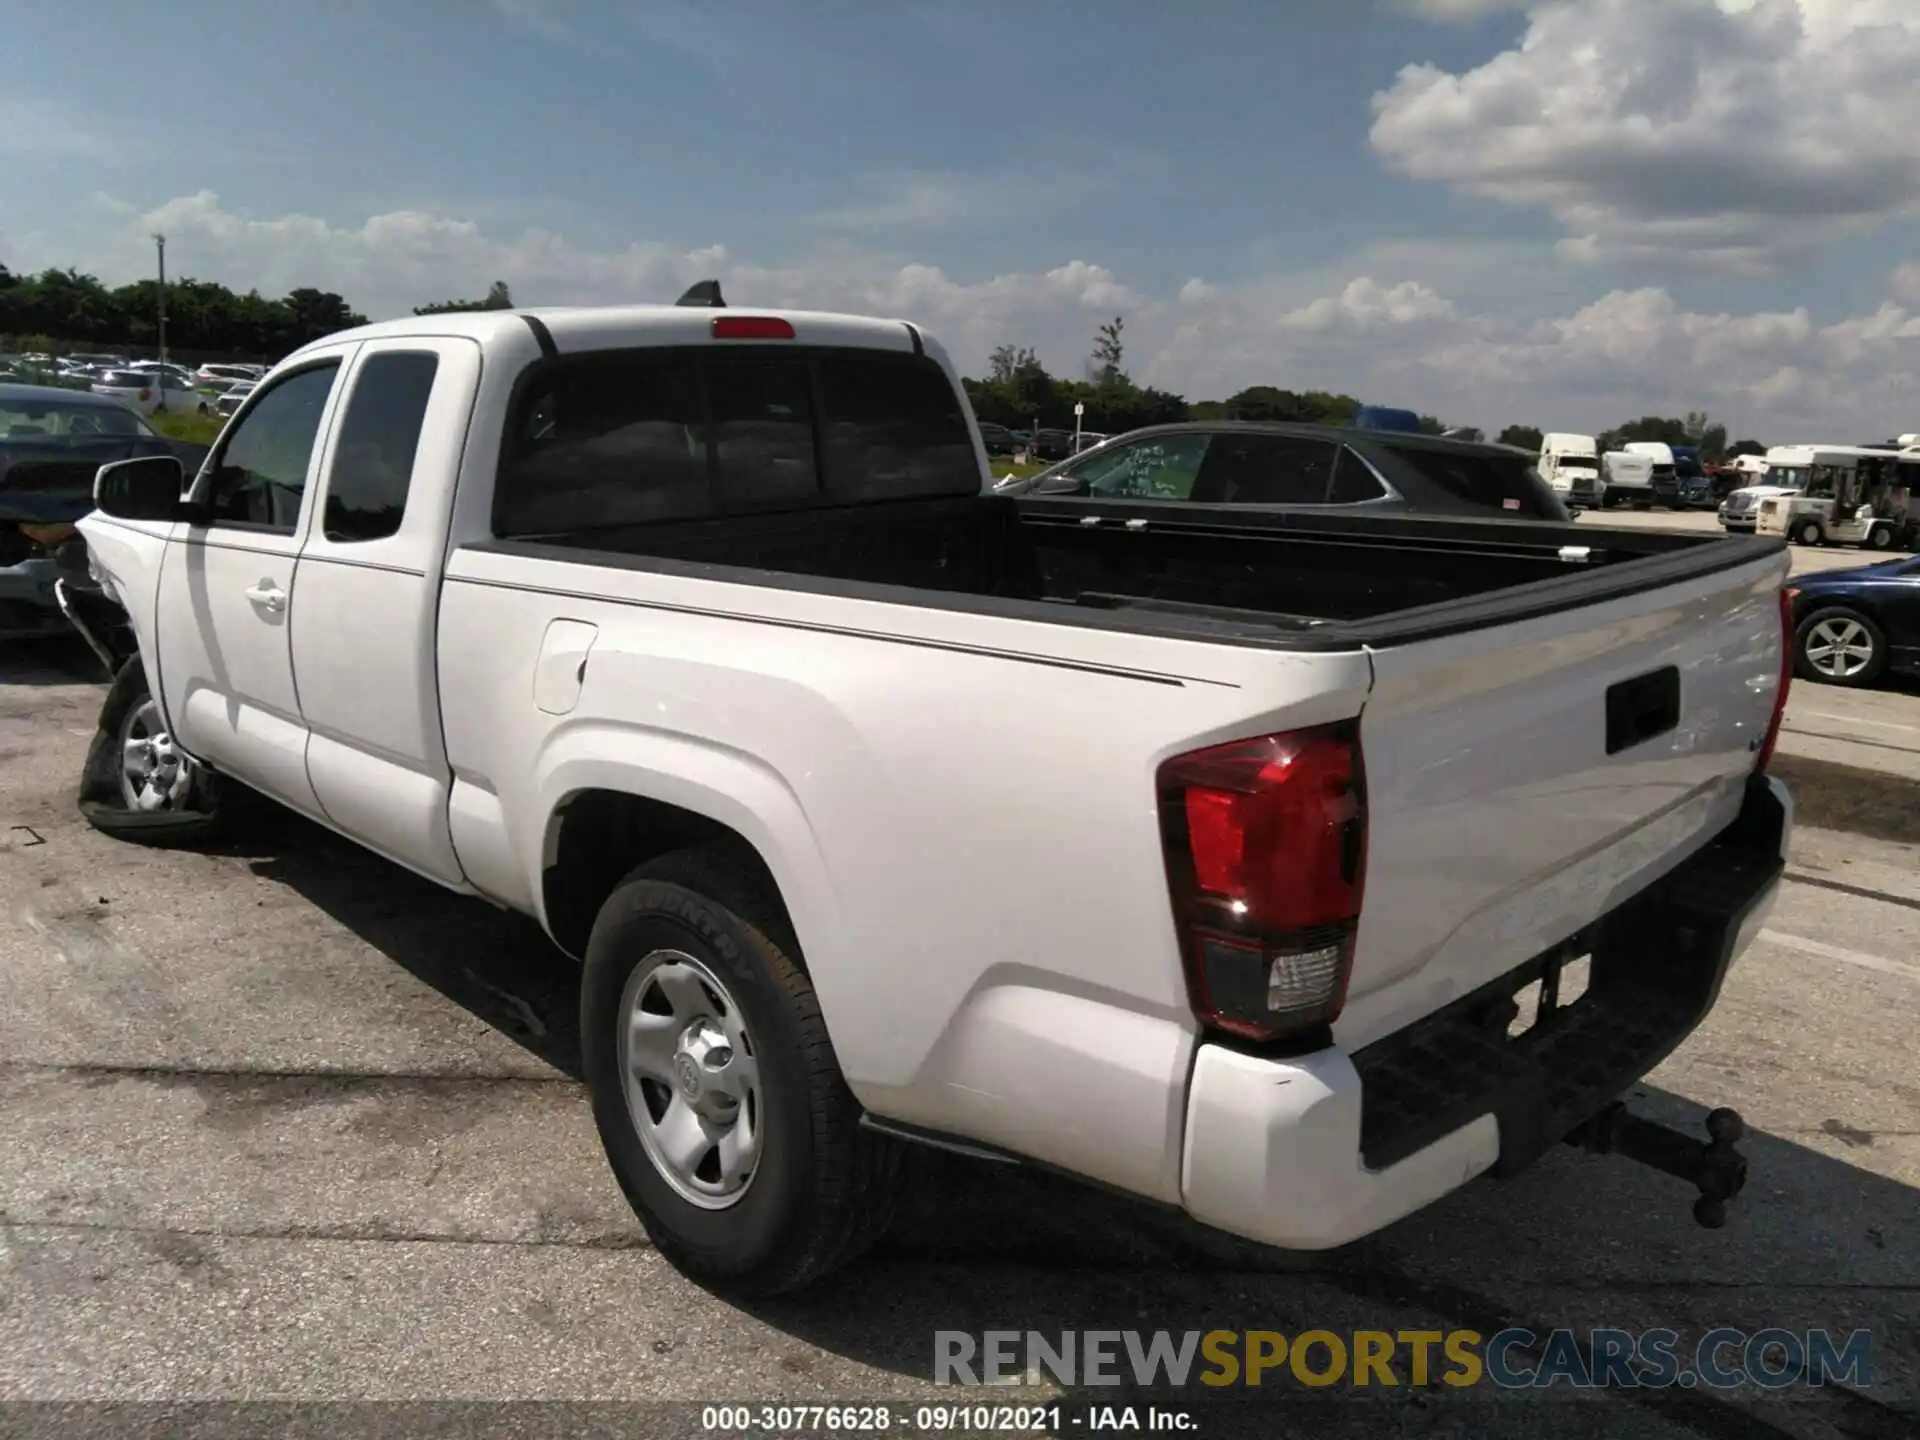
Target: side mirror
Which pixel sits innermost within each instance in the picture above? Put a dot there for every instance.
(148, 488)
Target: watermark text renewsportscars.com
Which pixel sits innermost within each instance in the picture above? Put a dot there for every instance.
(1512, 1359)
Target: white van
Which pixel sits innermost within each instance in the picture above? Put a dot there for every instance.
(1570, 464)
(1666, 476)
(1627, 478)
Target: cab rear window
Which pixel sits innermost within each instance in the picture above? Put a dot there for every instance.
(631, 436)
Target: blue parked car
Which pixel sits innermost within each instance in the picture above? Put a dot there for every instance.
(1853, 626)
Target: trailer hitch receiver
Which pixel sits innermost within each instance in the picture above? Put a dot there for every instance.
(1714, 1166)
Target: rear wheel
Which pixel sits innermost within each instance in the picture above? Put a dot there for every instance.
(1880, 536)
(716, 1093)
(137, 783)
(1840, 646)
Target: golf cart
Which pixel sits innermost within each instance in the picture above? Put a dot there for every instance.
(1852, 496)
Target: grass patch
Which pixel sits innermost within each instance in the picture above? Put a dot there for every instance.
(1002, 467)
(179, 425)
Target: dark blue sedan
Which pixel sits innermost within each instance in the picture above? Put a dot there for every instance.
(1853, 626)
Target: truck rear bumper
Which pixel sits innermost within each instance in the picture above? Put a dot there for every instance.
(1318, 1150)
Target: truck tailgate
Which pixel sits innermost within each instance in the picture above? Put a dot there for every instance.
(1500, 823)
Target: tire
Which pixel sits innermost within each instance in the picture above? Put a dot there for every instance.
(1807, 532)
(822, 1187)
(1865, 645)
(197, 807)
(1880, 537)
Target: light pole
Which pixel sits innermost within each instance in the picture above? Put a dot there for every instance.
(160, 244)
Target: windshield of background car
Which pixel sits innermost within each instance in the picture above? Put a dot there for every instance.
(33, 421)
(1506, 485)
(1824, 482)
(1578, 462)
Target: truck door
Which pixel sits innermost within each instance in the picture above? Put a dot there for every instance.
(369, 581)
(226, 588)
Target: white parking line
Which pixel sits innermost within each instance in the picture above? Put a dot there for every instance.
(1852, 720)
(1844, 956)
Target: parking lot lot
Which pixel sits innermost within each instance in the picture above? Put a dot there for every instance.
(280, 1121)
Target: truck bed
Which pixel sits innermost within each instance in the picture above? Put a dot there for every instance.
(1297, 580)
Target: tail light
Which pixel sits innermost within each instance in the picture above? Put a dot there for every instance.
(1772, 737)
(1266, 850)
(146, 394)
(752, 327)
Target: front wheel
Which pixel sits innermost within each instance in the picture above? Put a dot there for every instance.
(1808, 532)
(1880, 537)
(1840, 646)
(137, 783)
(716, 1093)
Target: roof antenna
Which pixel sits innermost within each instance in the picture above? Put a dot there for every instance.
(704, 293)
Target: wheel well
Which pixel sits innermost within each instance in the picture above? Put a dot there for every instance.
(601, 836)
(1811, 606)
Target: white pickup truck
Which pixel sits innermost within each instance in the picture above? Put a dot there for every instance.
(1196, 853)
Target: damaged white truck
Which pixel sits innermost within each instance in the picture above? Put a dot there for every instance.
(1200, 853)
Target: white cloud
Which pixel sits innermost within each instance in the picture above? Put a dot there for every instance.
(1739, 133)
(1457, 11)
(1365, 304)
(1381, 327)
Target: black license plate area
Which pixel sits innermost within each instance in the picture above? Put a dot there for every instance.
(1642, 708)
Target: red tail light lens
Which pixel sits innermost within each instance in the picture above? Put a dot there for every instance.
(1787, 594)
(752, 327)
(1266, 849)
(48, 535)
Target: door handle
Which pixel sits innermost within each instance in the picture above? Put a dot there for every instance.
(268, 596)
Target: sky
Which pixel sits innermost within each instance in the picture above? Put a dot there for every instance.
(1564, 214)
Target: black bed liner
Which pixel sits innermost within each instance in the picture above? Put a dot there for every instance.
(1279, 579)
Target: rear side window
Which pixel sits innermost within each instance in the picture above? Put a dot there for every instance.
(1253, 469)
(373, 461)
(613, 440)
(892, 428)
(1499, 484)
(1353, 482)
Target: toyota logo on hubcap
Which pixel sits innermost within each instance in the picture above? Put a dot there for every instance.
(689, 1074)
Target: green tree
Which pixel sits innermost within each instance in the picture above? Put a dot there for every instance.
(498, 297)
(77, 312)
(1745, 447)
(1109, 354)
(1266, 402)
(1521, 437)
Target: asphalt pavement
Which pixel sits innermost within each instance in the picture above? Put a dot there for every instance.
(281, 1122)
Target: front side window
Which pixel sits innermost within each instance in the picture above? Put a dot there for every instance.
(1158, 467)
(261, 472)
(379, 436)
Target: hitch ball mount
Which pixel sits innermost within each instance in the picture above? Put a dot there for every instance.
(1714, 1166)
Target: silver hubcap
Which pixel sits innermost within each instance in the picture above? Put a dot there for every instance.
(154, 774)
(692, 1082)
(1840, 648)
